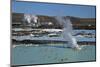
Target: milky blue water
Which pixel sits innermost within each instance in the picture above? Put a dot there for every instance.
(23, 55)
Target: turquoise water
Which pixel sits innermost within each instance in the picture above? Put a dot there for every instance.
(23, 55)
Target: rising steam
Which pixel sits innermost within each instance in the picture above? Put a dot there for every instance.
(67, 31)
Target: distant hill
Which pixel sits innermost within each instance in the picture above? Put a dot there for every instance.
(78, 23)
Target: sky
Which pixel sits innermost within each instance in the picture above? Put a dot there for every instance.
(52, 9)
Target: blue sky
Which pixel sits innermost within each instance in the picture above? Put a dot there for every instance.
(53, 9)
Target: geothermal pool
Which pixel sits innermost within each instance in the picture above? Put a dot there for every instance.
(22, 55)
